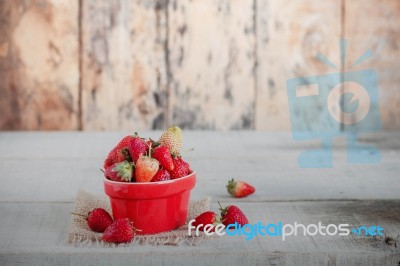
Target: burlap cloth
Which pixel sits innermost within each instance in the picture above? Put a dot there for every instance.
(79, 233)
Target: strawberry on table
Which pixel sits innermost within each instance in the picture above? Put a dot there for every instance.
(99, 219)
(181, 168)
(205, 218)
(172, 139)
(121, 231)
(161, 175)
(239, 189)
(122, 172)
(232, 214)
(146, 168)
(163, 155)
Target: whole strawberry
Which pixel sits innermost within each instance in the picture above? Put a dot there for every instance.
(172, 139)
(121, 172)
(181, 168)
(239, 189)
(161, 175)
(99, 219)
(120, 153)
(232, 214)
(109, 161)
(121, 231)
(205, 218)
(162, 154)
(137, 146)
(115, 156)
(124, 143)
(146, 168)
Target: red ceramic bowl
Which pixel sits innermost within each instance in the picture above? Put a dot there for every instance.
(154, 207)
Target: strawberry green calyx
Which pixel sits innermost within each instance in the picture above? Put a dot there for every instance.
(125, 152)
(222, 209)
(231, 186)
(124, 170)
(172, 139)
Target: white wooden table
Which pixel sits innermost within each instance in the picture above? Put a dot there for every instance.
(42, 172)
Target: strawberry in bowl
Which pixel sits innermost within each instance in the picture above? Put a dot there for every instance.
(149, 182)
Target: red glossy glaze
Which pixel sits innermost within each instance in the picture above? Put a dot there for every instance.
(154, 207)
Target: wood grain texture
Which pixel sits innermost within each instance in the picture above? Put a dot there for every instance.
(38, 65)
(146, 64)
(289, 36)
(36, 200)
(38, 238)
(375, 25)
(211, 52)
(267, 160)
(124, 76)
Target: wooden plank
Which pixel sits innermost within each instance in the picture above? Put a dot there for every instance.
(39, 65)
(38, 238)
(124, 76)
(211, 55)
(266, 160)
(374, 25)
(95, 145)
(339, 195)
(289, 36)
(272, 180)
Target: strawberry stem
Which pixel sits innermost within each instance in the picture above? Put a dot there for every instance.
(78, 214)
(223, 210)
(102, 170)
(150, 149)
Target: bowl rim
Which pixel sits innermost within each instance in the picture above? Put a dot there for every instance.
(193, 173)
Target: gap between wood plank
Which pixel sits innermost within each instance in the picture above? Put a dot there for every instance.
(255, 67)
(80, 64)
(169, 109)
(233, 200)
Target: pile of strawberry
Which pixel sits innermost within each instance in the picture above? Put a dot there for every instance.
(207, 221)
(122, 230)
(136, 159)
(118, 231)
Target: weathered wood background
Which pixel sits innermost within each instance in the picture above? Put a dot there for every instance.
(201, 64)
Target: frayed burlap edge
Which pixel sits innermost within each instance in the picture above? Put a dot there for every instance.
(79, 233)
